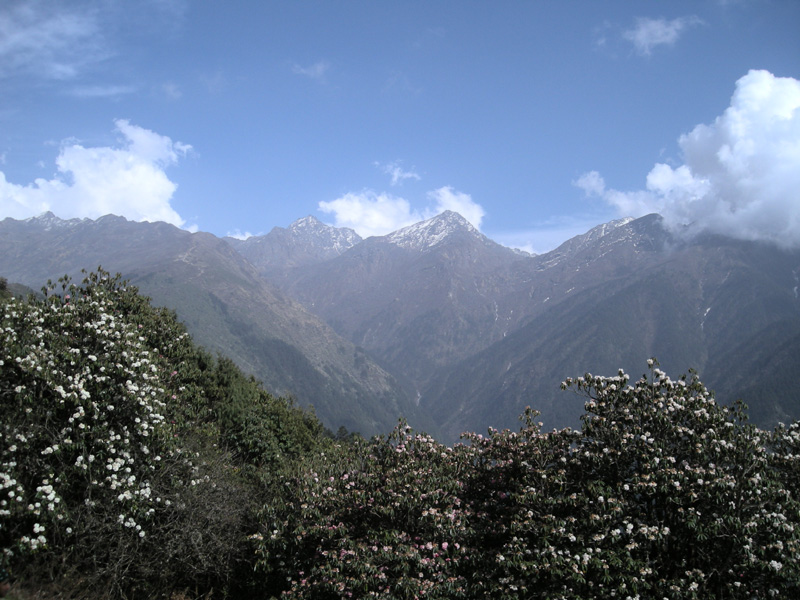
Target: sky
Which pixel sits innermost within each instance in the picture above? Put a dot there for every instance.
(535, 120)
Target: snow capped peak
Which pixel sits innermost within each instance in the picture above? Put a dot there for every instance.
(314, 232)
(306, 223)
(48, 221)
(605, 228)
(429, 233)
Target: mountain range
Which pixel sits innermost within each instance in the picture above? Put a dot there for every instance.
(226, 305)
(437, 323)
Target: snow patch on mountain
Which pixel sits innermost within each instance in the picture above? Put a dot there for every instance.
(428, 234)
(575, 245)
(49, 221)
(334, 240)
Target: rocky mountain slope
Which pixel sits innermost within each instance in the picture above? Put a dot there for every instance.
(417, 299)
(227, 306)
(438, 323)
(478, 332)
(724, 308)
(305, 242)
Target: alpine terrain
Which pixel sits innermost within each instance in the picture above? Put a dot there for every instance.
(437, 323)
(225, 304)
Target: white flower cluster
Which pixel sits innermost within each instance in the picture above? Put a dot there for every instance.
(92, 400)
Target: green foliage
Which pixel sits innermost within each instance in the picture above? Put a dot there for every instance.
(134, 464)
(376, 519)
(5, 293)
(662, 493)
(117, 477)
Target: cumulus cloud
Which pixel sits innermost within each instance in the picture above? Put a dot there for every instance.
(238, 235)
(397, 172)
(649, 33)
(740, 174)
(591, 183)
(128, 180)
(372, 213)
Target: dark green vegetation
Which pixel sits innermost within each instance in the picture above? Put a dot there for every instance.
(132, 463)
(135, 465)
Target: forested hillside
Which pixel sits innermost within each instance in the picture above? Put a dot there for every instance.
(135, 465)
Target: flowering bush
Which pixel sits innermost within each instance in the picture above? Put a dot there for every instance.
(83, 424)
(662, 493)
(380, 519)
(117, 474)
(132, 464)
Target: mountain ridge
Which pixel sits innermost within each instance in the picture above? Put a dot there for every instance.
(227, 306)
(469, 332)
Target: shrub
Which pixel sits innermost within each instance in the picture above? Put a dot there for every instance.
(662, 493)
(117, 476)
(377, 519)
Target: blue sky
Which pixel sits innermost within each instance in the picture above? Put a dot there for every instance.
(535, 120)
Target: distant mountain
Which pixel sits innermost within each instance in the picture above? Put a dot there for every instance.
(430, 295)
(723, 307)
(306, 241)
(440, 324)
(227, 306)
(418, 299)
(478, 332)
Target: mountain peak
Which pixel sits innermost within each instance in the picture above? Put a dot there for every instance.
(453, 219)
(314, 232)
(432, 232)
(306, 241)
(47, 221)
(309, 222)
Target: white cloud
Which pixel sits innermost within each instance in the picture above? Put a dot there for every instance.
(591, 183)
(397, 173)
(449, 199)
(65, 40)
(238, 235)
(371, 213)
(128, 180)
(316, 71)
(741, 173)
(649, 33)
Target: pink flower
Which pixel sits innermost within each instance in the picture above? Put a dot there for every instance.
(444, 545)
